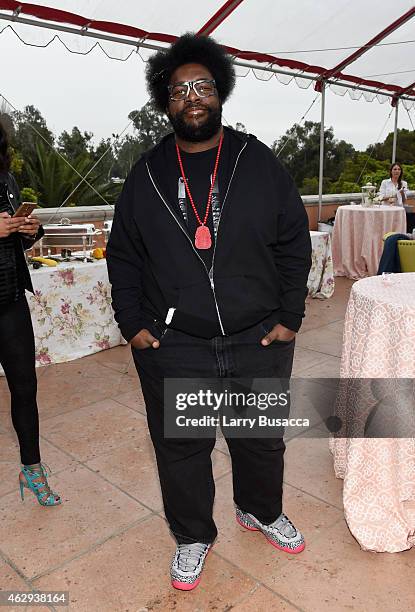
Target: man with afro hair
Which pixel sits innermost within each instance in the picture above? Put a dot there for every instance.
(208, 257)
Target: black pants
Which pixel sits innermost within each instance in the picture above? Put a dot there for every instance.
(17, 356)
(184, 465)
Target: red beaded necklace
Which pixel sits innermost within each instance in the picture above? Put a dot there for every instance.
(203, 239)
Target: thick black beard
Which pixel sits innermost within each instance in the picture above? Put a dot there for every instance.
(190, 133)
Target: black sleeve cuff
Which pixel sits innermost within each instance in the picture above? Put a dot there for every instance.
(290, 320)
(132, 327)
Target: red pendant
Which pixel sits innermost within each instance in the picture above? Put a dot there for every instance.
(203, 238)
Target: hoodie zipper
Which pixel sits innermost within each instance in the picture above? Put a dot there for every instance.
(208, 272)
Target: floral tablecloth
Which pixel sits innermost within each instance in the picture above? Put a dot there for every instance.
(71, 312)
(321, 278)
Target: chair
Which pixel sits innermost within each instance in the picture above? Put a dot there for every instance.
(406, 250)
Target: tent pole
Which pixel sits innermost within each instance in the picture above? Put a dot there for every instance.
(395, 132)
(320, 176)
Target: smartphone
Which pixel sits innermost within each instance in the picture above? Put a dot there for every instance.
(25, 209)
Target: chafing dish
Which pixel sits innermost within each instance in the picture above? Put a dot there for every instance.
(68, 235)
(107, 229)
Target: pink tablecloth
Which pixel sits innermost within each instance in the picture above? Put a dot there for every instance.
(357, 237)
(379, 473)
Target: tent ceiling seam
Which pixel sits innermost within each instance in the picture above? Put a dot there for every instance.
(219, 17)
(369, 45)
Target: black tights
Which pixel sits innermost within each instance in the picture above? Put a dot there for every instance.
(17, 356)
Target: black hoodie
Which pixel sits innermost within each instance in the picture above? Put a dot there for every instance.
(261, 261)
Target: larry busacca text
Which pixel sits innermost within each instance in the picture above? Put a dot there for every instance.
(218, 401)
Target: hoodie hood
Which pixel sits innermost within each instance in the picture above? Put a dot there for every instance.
(242, 137)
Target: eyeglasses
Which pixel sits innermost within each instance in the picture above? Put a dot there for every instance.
(203, 88)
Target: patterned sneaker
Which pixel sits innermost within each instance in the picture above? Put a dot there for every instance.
(187, 565)
(281, 533)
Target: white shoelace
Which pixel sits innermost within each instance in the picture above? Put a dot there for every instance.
(190, 555)
(284, 526)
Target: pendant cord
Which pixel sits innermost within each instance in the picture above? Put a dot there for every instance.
(202, 223)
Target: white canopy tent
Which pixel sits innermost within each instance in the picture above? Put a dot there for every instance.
(325, 44)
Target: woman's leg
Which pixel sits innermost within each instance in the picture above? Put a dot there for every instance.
(17, 356)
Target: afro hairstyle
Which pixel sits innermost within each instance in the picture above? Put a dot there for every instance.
(189, 49)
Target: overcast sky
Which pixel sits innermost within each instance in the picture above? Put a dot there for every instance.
(96, 94)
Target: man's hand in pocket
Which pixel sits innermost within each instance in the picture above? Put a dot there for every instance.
(144, 340)
(279, 333)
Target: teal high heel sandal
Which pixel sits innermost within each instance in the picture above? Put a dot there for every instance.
(29, 479)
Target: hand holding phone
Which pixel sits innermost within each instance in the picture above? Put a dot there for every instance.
(25, 209)
(29, 225)
(8, 225)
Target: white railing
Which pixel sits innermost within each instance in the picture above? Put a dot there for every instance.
(82, 214)
(76, 214)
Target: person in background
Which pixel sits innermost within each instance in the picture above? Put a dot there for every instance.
(17, 345)
(393, 189)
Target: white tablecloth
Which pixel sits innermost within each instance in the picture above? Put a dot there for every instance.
(321, 278)
(71, 312)
(378, 473)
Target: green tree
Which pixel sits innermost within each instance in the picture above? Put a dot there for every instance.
(309, 186)
(300, 153)
(104, 153)
(54, 180)
(28, 194)
(405, 147)
(149, 128)
(17, 163)
(5, 118)
(16, 160)
(29, 128)
(357, 171)
(127, 152)
(409, 174)
(75, 144)
(361, 169)
(150, 125)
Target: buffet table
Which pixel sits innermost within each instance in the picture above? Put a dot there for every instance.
(71, 311)
(378, 473)
(358, 237)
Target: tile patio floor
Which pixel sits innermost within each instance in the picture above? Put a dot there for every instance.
(108, 544)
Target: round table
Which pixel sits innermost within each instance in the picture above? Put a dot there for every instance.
(358, 237)
(378, 473)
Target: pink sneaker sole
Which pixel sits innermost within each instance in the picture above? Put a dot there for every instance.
(185, 586)
(292, 551)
